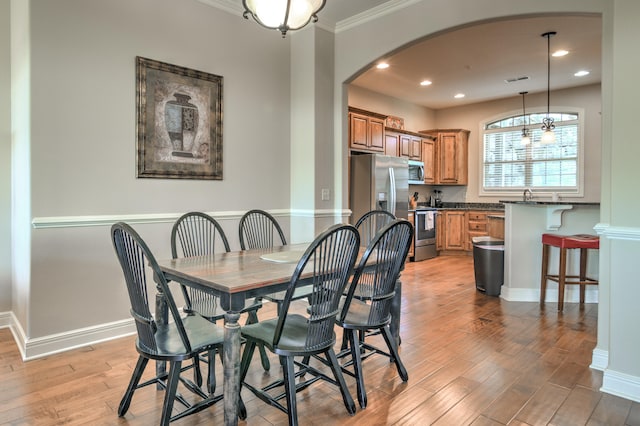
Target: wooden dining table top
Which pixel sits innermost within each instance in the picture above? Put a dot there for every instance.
(237, 271)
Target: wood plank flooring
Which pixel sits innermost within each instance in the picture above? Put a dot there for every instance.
(472, 360)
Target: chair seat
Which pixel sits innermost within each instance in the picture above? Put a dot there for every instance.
(358, 317)
(294, 335)
(202, 335)
(572, 241)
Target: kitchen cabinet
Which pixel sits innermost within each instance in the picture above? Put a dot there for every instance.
(451, 230)
(405, 144)
(495, 226)
(476, 227)
(429, 160)
(440, 231)
(451, 153)
(366, 131)
(410, 147)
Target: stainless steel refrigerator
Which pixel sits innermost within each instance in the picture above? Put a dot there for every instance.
(378, 182)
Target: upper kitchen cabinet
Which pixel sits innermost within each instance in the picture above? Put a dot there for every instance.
(366, 130)
(429, 159)
(451, 154)
(407, 144)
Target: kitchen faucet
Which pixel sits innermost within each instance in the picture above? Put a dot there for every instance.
(527, 195)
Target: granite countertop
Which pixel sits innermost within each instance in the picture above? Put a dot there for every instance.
(463, 206)
(551, 203)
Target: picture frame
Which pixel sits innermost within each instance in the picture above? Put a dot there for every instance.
(395, 122)
(178, 123)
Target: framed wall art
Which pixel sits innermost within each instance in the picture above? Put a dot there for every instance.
(179, 122)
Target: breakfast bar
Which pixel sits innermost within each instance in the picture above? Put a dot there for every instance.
(525, 222)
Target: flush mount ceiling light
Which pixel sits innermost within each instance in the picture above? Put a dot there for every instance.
(425, 83)
(581, 73)
(459, 96)
(525, 132)
(282, 15)
(382, 66)
(547, 123)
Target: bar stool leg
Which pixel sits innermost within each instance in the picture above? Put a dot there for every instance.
(583, 273)
(562, 277)
(545, 266)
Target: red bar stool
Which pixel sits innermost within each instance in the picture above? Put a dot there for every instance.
(565, 242)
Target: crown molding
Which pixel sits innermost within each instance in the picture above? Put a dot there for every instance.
(235, 7)
(373, 13)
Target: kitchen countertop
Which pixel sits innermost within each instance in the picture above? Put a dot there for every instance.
(551, 203)
(463, 206)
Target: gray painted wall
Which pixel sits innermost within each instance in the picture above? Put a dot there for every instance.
(5, 158)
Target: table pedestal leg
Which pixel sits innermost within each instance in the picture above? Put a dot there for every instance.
(231, 354)
(395, 314)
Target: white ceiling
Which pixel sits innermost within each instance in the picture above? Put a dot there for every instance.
(475, 60)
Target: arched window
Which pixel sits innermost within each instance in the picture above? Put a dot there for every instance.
(510, 166)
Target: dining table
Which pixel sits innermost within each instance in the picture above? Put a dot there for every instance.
(235, 277)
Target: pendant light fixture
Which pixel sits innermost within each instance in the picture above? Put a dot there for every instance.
(525, 132)
(547, 123)
(282, 15)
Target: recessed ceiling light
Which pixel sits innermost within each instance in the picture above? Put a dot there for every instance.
(382, 65)
(559, 53)
(581, 73)
(459, 96)
(425, 83)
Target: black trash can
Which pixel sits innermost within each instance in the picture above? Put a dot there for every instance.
(488, 264)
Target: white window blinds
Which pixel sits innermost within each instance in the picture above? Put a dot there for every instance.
(510, 165)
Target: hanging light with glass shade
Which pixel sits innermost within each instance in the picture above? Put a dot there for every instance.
(282, 15)
(548, 136)
(526, 140)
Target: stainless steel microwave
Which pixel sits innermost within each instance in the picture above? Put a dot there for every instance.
(416, 172)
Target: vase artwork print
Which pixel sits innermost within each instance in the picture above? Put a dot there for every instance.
(179, 122)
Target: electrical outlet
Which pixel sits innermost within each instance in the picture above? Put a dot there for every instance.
(325, 194)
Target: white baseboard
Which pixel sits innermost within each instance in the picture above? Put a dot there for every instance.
(571, 294)
(48, 345)
(621, 384)
(599, 359)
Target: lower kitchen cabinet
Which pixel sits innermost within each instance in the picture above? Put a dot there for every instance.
(451, 230)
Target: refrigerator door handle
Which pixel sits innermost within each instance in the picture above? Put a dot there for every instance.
(392, 191)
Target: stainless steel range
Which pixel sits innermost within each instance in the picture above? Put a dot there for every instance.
(425, 234)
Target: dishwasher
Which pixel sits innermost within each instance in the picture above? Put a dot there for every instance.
(425, 234)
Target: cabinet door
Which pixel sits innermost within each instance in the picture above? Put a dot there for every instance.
(376, 134)
(429, 160)
(456, 230)
(391, 146)
(441, 230)
(405, 145)
(448, 154)
(358, 125)
(415, 148)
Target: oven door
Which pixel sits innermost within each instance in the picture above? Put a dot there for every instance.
(425, 227)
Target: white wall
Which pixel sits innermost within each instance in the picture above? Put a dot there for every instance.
(83, 140)
(5, 158)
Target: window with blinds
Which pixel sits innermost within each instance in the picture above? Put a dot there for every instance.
(509, 165)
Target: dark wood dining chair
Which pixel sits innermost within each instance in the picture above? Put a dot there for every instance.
(182, 339)
(259, 229)
(325, 267)
(371, 310)
(198, 234)
(371, 222)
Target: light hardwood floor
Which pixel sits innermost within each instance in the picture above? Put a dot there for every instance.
(472, 359)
